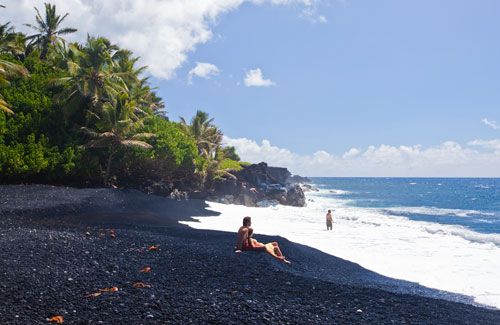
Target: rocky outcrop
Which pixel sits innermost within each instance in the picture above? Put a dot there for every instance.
(280, 174)
(259, 183)
(298, 179)
(295, 196)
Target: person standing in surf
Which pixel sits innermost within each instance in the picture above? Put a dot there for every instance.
(329, 220)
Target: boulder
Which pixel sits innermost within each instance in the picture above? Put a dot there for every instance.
(295, 196)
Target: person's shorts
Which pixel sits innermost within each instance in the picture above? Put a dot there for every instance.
(329, 224)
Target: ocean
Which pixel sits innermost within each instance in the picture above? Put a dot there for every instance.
(443, 233)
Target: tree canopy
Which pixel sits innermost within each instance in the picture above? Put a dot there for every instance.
(85, 114)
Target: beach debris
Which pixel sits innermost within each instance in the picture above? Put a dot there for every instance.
(141, 285)
(112, 233)
(101, 291)
(87, 234)
(153, 248)
(93, 295)
(56, 319)
(112, 289)
(359, 311)
(146, 269)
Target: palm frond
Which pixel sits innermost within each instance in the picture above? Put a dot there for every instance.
(10, 69)
(4, 107)
(136, 144)
(143, 136)
(89, 132)
(99, 143)
(66, 31)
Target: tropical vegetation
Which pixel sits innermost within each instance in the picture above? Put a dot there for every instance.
(86, 114)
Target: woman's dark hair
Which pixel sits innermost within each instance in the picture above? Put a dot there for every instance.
(329, 211)
(246, 221)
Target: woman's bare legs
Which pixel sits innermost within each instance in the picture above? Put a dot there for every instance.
(274, 250)
(277, 249)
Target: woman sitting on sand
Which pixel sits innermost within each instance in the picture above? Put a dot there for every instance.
(245, 242)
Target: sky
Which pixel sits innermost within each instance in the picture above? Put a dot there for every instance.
(323, 87)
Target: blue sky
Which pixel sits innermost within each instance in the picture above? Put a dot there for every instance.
(340, 88)
(392, 72)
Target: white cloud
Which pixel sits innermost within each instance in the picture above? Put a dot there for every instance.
(254, 78)
(311, 13)
(203, 70)
(353, 152)
(491, 124)
(161, 32)
(479, 158)
(486, 144)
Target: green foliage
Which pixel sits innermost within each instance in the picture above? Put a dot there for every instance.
(29, 138)
(82, 114)
(230, 164)
(230, 152)
(171, 144)
(34, 157)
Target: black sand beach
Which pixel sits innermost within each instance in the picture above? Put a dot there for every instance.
(57, 248)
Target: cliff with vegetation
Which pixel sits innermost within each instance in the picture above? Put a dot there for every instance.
(86, 115)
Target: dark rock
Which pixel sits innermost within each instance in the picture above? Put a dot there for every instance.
(296, 179)
(258, 175)
(280, 174)
(295, 196)
(198, 195)
(257, 183)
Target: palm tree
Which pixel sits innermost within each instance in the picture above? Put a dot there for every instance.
(11, 42)
(138, 88)
(147, 98)
(48, 29)
(8, 69)
(208, 137)
(208, 140)
(92, 80)
(117, 129)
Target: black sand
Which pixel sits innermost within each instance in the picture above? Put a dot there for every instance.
(48, 264)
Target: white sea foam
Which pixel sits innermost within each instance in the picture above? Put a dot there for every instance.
(450, 258)
(337, 192)
(437, 211)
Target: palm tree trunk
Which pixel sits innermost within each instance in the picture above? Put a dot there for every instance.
(45, 50)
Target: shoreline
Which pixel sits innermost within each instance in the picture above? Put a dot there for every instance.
(44, 228)
(445, 258)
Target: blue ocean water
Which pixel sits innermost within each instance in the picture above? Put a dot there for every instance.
(473, 203)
